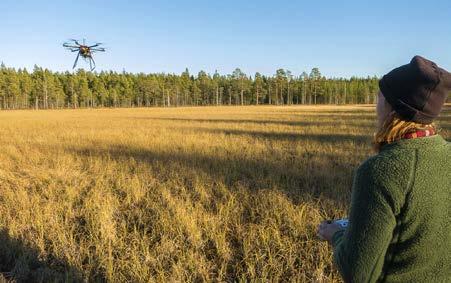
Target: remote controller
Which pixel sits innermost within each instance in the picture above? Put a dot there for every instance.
(344, 222)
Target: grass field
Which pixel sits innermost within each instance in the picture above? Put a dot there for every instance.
(178, 194)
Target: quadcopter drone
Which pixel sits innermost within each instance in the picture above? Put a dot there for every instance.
(84, 50)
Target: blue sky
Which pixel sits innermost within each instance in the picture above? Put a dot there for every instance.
(341, 38)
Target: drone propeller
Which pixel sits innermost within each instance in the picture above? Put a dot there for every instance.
(95, 45)
(75, 40)
(101, 49)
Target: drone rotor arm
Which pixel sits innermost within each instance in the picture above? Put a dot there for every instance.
(98, 49)
(69, 46)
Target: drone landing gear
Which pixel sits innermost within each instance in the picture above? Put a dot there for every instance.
(91, 63)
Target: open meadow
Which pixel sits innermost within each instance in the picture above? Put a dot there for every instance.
(177, 194)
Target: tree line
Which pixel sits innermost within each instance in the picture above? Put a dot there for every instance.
(44, 89)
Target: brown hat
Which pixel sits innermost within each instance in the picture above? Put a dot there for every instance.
(418, 90)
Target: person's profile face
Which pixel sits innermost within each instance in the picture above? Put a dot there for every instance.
(383, 108)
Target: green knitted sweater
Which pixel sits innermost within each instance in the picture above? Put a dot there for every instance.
(400, 216)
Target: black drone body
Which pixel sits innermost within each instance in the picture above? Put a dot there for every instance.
(84, 50)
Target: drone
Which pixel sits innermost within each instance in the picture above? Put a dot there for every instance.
(84, 50)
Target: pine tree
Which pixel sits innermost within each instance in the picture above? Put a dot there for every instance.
(315, 76)
(258, 83)
(26, 84)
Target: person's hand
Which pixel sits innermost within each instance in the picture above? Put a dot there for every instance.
(327, 229)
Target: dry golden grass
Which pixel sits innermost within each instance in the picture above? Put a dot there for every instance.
(180, 194)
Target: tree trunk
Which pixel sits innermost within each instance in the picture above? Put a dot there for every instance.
(217, 95)
(45, 92)
(269, 95)
(344, 102)
(314, 94)
(256, 101)
(288, 94)
(303, 92)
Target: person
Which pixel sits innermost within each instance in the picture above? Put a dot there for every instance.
(400, 214)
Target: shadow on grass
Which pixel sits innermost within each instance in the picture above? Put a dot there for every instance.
(292, 136)
(366, 123)
(309, 176)
(21, 263)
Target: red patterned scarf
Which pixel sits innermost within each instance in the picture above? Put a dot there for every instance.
(419, 134)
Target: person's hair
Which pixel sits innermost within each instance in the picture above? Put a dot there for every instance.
(394, 128)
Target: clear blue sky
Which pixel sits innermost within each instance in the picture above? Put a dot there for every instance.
(342, 38)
